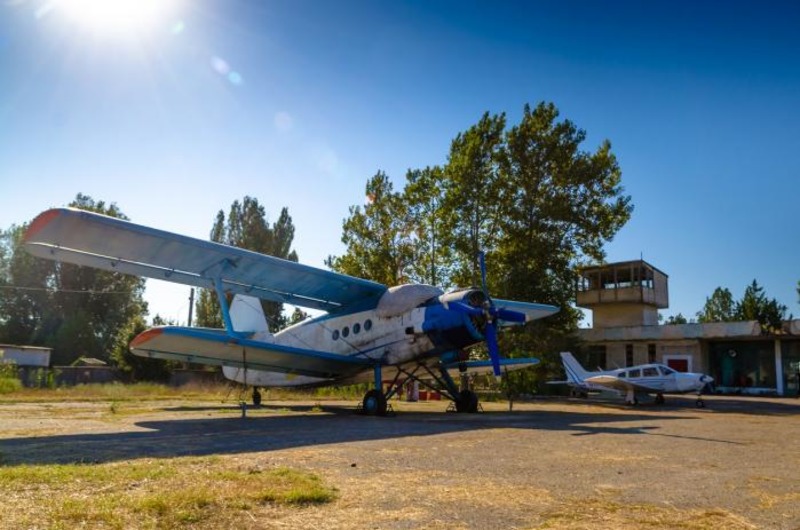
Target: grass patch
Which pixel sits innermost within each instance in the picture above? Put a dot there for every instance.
(598, 513)
(174, 493)
(9, 385)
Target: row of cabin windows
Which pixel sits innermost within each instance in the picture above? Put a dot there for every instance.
(650, 371)
(356, 329)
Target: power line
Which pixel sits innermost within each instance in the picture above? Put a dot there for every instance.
(73, 291)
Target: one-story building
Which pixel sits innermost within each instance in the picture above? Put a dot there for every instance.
(625, 298)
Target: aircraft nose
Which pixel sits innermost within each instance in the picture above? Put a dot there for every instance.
(706, 379)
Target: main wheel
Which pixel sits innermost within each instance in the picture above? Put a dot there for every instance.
(467, 401)
(256, 397)
(374, 403)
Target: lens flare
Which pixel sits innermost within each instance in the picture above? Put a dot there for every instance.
(116, 15)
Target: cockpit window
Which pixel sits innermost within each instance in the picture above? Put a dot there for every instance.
(666, 370)
(650, 372)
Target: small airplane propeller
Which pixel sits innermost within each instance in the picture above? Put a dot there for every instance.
(492, 314)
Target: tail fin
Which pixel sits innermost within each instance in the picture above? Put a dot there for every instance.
(247, 316)
(575, 372)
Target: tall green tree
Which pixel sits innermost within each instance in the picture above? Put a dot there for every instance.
(78, 311)
(472, 209)
(754, 305)
(719, 307)
(378, 236)
(530, 197)
(423, 198)
(247, 227)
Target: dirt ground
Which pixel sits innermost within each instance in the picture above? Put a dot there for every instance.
(546, 464)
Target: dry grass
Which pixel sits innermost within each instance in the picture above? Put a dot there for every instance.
(161, 493)
(581, 514)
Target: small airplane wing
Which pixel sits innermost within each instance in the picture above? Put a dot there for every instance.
(95, 240)
(485, 367)
(532, 311)
(616, 383)
(215, 347)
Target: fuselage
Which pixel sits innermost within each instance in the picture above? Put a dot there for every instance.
(393, 332)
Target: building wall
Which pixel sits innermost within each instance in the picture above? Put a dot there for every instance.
(621, 315)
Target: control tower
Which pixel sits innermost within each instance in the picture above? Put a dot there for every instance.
(627, 293)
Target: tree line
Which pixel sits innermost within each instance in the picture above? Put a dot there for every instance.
(528, 194)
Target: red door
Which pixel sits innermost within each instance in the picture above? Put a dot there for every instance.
(679, 365)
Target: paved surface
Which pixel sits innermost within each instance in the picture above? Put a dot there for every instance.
(546, 464)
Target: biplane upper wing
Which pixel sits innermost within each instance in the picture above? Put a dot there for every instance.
(95, 240)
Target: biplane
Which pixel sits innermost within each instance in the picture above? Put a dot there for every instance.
(365, 332)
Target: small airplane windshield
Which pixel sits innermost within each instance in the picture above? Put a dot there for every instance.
(666, 370)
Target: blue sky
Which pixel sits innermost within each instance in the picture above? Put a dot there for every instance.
(298, 102)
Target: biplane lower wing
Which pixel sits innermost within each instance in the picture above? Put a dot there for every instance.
(215, 347)
(485, 367)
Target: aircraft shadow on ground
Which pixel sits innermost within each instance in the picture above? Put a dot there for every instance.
(290, 429)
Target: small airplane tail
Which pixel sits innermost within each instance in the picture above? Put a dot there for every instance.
(247, 316)
(575, 372)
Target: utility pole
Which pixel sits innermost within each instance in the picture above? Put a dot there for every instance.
(191, 306)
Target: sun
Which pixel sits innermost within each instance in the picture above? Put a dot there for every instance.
(116, 15)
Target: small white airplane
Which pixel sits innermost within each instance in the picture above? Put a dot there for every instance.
(633, 381)
(370, 333)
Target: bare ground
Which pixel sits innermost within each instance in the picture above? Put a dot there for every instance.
(546, 464)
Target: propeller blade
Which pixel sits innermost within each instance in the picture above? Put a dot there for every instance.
(494, 349)
(482, 262)
(511, 316)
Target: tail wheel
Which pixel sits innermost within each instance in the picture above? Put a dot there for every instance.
(374, 403)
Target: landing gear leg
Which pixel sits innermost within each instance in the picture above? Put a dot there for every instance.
(700, 403)
(375, 403)
(659, 399)
(630, 398)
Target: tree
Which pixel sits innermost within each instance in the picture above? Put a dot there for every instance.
(529, 197)
(78, 311)
(378, 237)
(247, 227)
(754, 305)
(676, 319)
(471, 206)
(720, 307)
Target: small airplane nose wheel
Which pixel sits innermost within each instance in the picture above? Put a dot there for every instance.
(374, 403)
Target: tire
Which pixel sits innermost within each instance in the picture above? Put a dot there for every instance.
(467, 402)
(256, 397)
(374, 403)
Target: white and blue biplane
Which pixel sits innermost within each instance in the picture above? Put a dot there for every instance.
(369, 332)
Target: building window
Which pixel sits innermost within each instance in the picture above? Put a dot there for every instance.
(629, 355)
(651, 353)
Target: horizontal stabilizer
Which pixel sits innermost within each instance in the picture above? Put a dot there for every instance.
(216, 347)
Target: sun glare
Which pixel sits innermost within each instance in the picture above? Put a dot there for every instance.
(117, 15)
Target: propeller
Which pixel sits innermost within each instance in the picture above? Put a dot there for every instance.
(491, 314)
